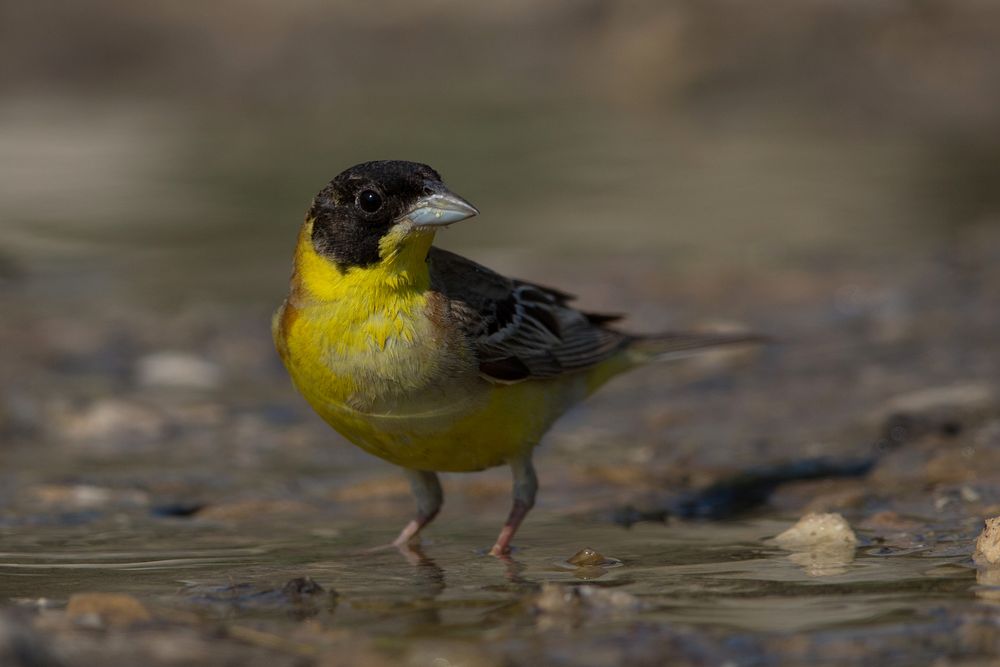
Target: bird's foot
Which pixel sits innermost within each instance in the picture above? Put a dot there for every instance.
(502, 547)
(503, 556)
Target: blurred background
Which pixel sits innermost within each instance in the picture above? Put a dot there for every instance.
(171, 151)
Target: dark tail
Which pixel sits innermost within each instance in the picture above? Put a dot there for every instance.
(669, 346)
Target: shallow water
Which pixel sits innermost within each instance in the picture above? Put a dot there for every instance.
(722, 575)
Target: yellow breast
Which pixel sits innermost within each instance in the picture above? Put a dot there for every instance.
(363, 338)
(364, 349)
(367, 351)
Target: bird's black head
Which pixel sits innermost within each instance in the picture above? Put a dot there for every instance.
(362, 205)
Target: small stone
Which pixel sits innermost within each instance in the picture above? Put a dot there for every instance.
(179, 509)
(945, 410)
(115, 420)
(587, 558)
(822, 544)
(86, 496)
(966, 397)
(988, 543)
(818, 529)
(177, 370)
(969, 494)
(22, 645)
(301, 586)
(107, 609)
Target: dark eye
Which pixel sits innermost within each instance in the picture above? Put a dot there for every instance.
(369, 201)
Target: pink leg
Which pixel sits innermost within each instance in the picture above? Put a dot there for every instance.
(517, 514)
(411, 530)
(427, 490)
(525, 489)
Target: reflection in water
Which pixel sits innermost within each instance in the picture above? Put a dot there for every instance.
(429, 580)
(988, 580)
(824, 560)
(427, 585)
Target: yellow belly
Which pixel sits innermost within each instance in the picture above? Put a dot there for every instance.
(363, 348)
(497, 424)
(411, 398)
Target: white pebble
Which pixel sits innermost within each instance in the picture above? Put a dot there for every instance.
(177, 369)
(988, 543)
(818, 530)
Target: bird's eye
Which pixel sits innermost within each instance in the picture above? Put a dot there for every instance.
(369, 201)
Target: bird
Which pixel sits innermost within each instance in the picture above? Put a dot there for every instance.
(432, 361)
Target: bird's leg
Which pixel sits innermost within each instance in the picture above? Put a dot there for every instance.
(525, 488)
(427, 490)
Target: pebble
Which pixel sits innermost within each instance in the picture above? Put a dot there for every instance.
(301, 586)
(177, 370)
(587, 558)
(818, 530)
(22, 646)
(988, 543)
(945, 409)
(86, 496)
(823, 545)
(968, 396)
(107, 609)
(111, 419)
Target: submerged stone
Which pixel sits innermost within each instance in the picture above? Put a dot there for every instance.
(587, 558)
(301, 586)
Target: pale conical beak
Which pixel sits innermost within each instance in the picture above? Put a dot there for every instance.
(439, 208)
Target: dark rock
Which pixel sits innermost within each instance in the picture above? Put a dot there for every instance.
(301, 586)
(179, 509)
(21, 645)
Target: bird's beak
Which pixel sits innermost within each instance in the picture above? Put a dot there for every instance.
(439, 208)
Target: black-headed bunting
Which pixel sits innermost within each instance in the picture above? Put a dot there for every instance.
(429, 360)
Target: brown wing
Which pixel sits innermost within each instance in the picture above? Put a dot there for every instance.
(519, 330)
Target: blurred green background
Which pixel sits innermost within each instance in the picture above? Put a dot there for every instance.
(167, 151)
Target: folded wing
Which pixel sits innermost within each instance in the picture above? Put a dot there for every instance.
(519, 330)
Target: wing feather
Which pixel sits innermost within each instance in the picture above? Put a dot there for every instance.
(520, 330)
